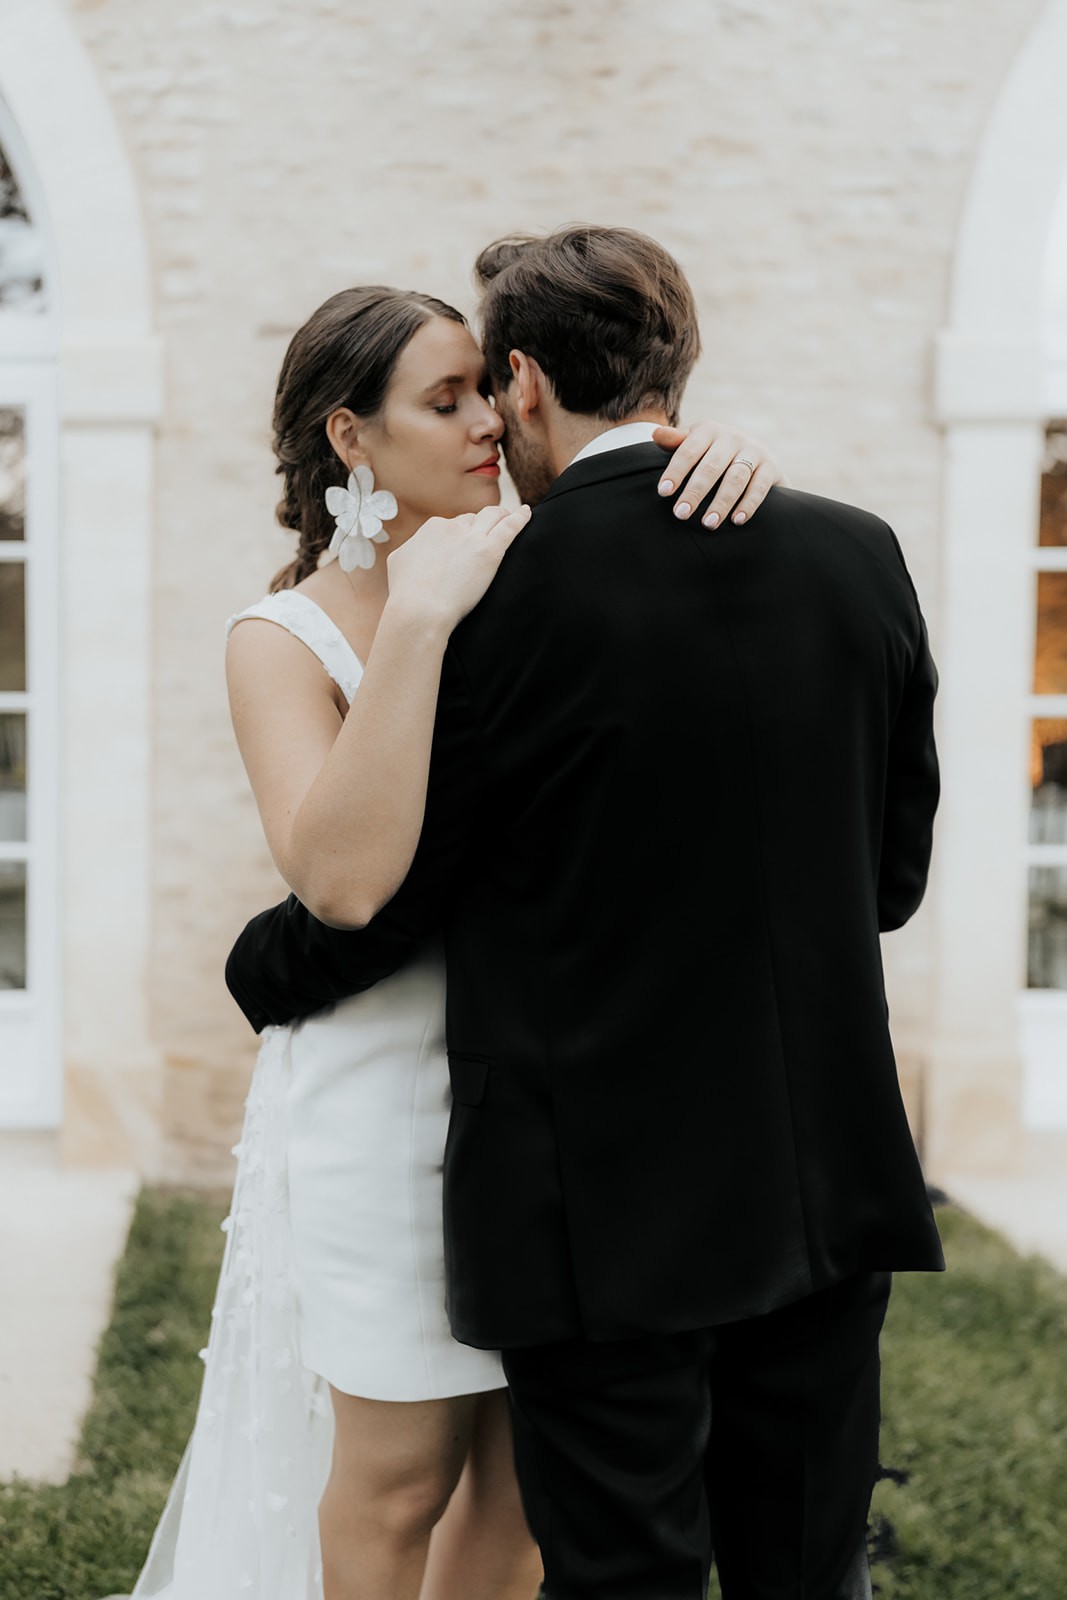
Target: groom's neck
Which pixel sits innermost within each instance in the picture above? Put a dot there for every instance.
(571, 432)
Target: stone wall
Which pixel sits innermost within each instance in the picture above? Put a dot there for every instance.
(807, 162)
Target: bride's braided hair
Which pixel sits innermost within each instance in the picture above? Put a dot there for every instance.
(344, 355)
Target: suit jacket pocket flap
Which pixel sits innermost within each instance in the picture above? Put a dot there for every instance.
(468, 1074)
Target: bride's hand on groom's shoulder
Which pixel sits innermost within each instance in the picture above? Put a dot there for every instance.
(444, 569)
(711, 453)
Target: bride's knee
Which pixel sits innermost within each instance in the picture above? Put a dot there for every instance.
(412, 1510)
(401, 1508)
(395, 1465)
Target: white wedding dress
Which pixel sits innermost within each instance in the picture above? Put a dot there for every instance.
(333, 1270)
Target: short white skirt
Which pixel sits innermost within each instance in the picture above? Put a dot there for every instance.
(368, 1115)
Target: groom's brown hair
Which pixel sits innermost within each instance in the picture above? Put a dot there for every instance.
(606, 313)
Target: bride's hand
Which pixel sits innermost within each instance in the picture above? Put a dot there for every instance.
(446, 566)
(746, 469)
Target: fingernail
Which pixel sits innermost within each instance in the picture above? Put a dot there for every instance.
(682, 510)
(711, 520)
(742, 516)
(666, 486)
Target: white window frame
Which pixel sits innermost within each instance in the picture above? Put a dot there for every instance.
(31, 1034)
(31, 1073)
(1043, 1012)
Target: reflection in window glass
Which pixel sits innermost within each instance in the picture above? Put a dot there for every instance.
(1048, 775)
(1048, 928)
(12, 626)
(12, 925)
(1054, 489)
(1050, 660)
(21, 250)
(12, 776)
(12, 474)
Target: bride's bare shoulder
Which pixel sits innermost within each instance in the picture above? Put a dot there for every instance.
(267, 644)
(277, 649)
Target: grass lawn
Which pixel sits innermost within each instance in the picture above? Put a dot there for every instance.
(89, 1537)
(975, 1435)
(975, 1407)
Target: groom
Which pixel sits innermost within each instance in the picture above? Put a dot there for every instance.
(680, 781)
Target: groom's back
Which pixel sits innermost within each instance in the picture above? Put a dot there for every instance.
(674, 1082)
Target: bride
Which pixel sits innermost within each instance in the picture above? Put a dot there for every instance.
(345, 1446)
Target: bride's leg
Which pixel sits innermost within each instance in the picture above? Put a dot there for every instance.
(482, 1549)
(395, 1465)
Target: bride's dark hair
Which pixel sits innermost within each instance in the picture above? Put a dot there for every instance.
(344, 355)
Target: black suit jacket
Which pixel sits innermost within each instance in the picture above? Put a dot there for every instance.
(680, 780)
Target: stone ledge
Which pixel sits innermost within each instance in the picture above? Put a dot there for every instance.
(67, 1228)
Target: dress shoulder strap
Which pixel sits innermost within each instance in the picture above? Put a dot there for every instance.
(309, 623)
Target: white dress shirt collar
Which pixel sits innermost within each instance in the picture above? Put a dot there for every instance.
(617, 438)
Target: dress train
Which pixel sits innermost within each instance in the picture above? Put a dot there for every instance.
(242, 1515)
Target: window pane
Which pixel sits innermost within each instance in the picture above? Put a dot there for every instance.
(12, 925)
(1048, 775)
(21, 249)
(12, 625)
(1050, 663)
(1054, 489)
(12, 474)
(1048, 928)
(12, 776)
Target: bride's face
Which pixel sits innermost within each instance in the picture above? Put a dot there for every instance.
(435, 443)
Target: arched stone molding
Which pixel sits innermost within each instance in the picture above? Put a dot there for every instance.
(109, 387)
(1056, 308)
(994, 372)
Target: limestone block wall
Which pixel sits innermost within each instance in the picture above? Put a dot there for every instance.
(805, 159)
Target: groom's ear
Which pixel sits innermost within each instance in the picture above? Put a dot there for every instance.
(529, 386)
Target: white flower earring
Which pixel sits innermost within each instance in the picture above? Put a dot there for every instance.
(359, 511)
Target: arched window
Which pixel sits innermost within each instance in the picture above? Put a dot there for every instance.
(79, 196)
(29, 954)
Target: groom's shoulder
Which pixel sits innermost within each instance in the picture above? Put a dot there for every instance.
(629, 478)
(831, 525)
(622, 489)
(800, 507)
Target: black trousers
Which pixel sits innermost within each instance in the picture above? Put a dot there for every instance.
(759, 1438)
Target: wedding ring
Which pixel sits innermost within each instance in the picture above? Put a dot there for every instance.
(743, 461)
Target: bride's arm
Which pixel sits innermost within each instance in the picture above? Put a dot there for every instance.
(342, 799)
